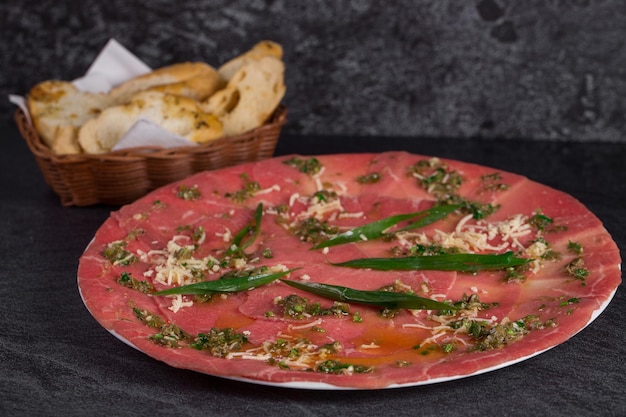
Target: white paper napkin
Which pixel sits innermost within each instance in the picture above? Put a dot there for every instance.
(145, 132)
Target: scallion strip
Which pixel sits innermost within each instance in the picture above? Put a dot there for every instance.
(251, 228)
(462, 262)
(376, 230)
(378, 298)
(225, 285)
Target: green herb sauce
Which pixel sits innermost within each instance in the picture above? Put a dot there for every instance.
(576, 269)
(188, 193)
(310, 166)
(128, 281)
(331, 366)
(371, 178)
(443, 183)
(313, 230)
(296, 307)
(219, 342)
(247, 191)
(116, 253)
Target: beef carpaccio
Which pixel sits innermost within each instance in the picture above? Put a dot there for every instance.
(512, 268)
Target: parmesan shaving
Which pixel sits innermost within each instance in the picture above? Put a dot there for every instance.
(178, 303)
(347, 215)
(226, 236)
(268, 190)
(307, 325)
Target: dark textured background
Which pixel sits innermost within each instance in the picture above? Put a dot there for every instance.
(541, 69)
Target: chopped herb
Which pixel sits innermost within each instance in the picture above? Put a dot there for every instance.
(331, 366)
(430, 250)
(540, 221)
(575, 248)
(293, 306)
(132, 235)
(170, 336)
(515, 273)
(299, 308)
(151, 320)
(577, 270)
(116, 253)
(127, 281)
(283, 348)
(389, 312)
(477, 209)
(310, 166)
(501, 335)
(371, 178)
(472, 302)
(185, 252)
(443, 183)
(324, 196)
(188, 193)
(249, 188)
(489, 336)
(437, 178)
(427, 250)
(333, 347)
(219, 342)
(198, 234)
(448, 347)
(313, 230)
(543, 223)
(493, 182)
(245, 273)
(570, 302)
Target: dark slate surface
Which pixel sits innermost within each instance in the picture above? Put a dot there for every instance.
(56, 360)
(507, 69)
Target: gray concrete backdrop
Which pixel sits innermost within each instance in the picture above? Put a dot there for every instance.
(537, 69)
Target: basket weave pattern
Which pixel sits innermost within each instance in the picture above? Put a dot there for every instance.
(122, 176)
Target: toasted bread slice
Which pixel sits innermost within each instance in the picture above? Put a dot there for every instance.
(179, 115)
(195, 80)
(250, 97)
(58, 108)
(258, 51)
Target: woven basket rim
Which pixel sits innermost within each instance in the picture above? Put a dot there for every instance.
(85, 179)
(37, 146)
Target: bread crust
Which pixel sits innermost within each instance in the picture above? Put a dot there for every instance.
(258, 51)
(58, 108)
(196, 80)
(179, 115)
(250, 97)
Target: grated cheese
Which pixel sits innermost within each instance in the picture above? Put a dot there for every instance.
(347, 215)
(306, 325)
(371, 345)
(178, 303)
(268, 190)
(226, 236)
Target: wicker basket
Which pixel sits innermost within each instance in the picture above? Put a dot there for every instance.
(122, 176)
